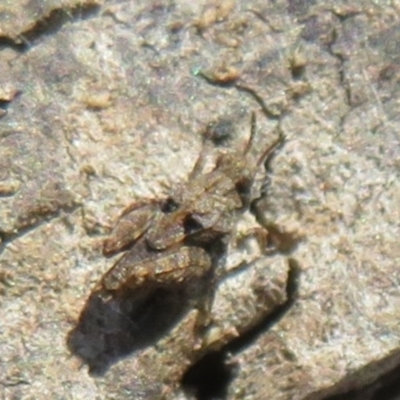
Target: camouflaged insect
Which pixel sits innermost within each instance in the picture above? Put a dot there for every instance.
(168, 241)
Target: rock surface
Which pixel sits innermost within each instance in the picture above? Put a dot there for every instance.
(102, 103)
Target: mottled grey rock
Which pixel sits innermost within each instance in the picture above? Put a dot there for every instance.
(108, 106)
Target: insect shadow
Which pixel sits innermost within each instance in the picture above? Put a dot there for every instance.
(109, 330)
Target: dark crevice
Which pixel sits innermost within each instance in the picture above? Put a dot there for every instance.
(214, 81)
(297, 71)
(341, 70)
(341, 59)
(48, 25)
(348, 14)
(245, 340)
(268, 113)
(262, 16)
(4, 104)
(390, 386)
(8, 43)
(386, 386)
(271, 114)
(209, 378)
(329, 46)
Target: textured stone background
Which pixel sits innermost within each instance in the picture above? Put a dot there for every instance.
(101, 104)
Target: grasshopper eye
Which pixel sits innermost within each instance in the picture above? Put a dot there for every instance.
(243, 187)
(169, 205)
(191, 225)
